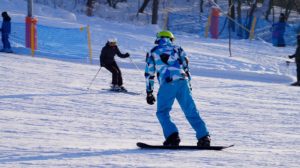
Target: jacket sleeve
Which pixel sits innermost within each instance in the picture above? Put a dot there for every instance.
(119, 54)
(150, 73)
(185, 62)
(297, 53)
(101, 57)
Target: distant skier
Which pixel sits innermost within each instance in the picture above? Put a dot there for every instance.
(297, 60)
(5, 31)
(107, 61)
(278, 31)
(171, 65)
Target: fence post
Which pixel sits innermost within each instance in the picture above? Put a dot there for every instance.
(251, 37)
(214, 27)
(207, 25)
(31, 34)
(89, 43)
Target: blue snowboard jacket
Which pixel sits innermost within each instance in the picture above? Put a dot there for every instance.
(168, 61)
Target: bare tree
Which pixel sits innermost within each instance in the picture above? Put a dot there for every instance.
(90, 7)
(155, 6)
(239, 10)
(155, 11)
(231, 14)
(239, 17)
(288, 8)
(253, 7)
(113, 3)
(268, 12)
(144, 5)
(201, 5)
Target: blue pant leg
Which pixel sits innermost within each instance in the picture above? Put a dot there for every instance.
(165, 99)
(3, 41)
(6, 44)
(186, 102)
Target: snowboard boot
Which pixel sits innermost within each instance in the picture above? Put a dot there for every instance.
(122, 89)
(172, 140)
(204, 141)
(115, 88)
(295, 84)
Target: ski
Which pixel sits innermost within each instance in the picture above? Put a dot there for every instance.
(125, 92)
(181, 147)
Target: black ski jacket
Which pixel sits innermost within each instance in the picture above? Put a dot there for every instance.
(6, 25)
(108, 53)
(297, 55)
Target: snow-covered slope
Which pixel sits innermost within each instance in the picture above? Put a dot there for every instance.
(49, 119)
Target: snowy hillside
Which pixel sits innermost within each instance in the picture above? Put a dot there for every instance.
(49, 119)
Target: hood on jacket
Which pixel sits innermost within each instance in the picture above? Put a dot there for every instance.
(5, 16)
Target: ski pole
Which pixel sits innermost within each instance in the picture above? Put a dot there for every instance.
(135, 64)
(93, 79)
(138, 70)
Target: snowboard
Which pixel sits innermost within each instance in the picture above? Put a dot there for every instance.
(125, 92)
(181, 147)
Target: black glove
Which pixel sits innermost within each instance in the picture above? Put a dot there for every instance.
(150, 98)
(127, 55)
(290, 57)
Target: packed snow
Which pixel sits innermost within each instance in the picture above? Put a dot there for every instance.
(49, 118)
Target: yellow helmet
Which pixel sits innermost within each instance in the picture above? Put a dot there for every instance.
(166, 34)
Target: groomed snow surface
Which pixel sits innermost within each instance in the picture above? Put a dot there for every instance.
(48, 118)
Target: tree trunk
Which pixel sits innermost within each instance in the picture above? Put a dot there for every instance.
(239, 18)
(252, 9)
(109, 3)
(269, 10)
(90, 7)
(201, 5)
(250, 17)
(288, 9)
(239, 10)
(144, 5)
(231, 14)
(155, 11)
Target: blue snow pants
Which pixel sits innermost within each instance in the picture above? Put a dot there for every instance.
(6, 43)
(179, 90)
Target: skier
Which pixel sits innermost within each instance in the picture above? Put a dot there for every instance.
(297, 61)
(171, 65)
(278, 31)
(107, 61)
(5, 31)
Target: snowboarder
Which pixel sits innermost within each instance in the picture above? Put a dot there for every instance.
(297, 61)
(5, 31)
(107, 61)
(171, 65)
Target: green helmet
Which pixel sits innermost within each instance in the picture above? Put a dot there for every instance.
(166, 34)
